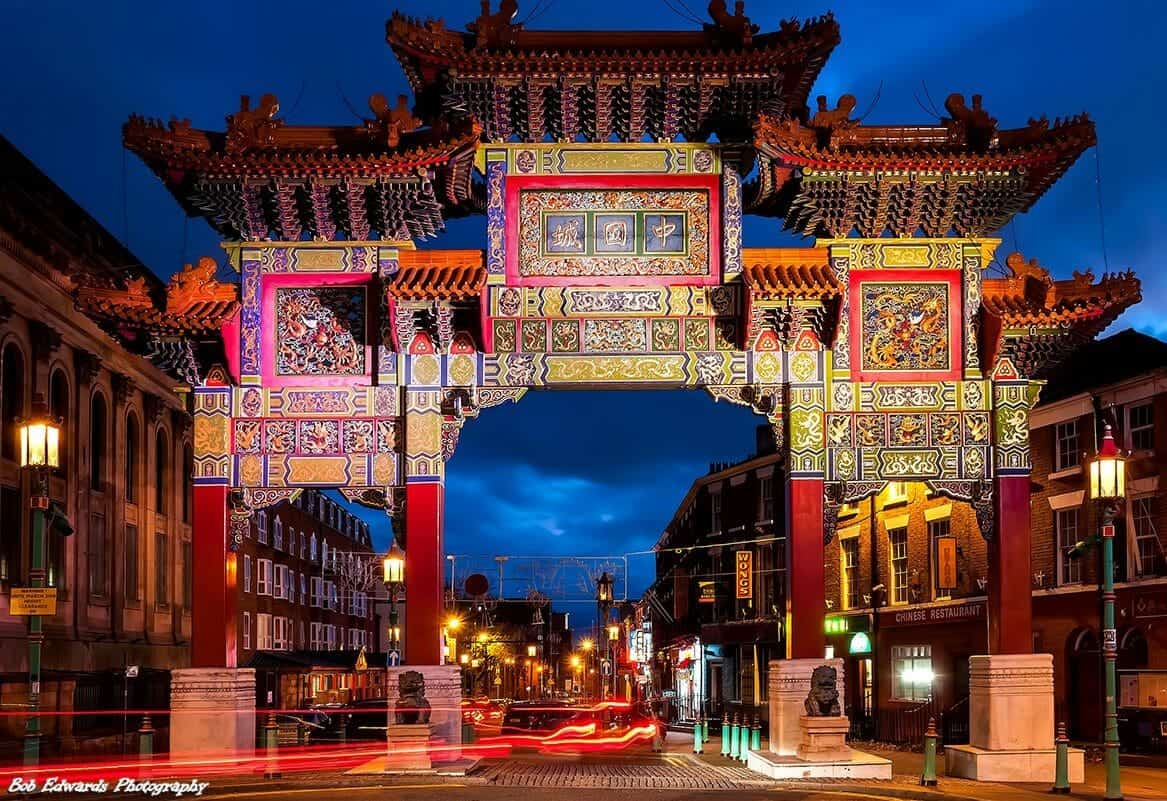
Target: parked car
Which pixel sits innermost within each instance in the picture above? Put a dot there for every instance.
(367, 719)
(537, 717)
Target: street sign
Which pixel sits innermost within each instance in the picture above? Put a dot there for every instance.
(606, 668)
(131, 671)
(33, 601)
(946, 562)
(1108, 531)
(745, 574)
(394, 658)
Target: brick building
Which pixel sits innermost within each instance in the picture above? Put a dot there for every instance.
(308, 582)
(123, 576)
(905, 635)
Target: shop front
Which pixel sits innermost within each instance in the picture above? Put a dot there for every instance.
(689, 680)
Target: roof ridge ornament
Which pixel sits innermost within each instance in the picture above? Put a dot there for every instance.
(497, 29)
(971, 125)
(388, 123)
(736, 25)
(839, 117)
(248, 127)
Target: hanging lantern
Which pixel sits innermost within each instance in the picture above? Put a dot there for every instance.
(1107, 470)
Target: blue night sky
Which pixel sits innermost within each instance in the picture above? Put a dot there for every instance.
(588, 473)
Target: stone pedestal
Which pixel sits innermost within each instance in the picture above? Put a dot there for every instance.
(212, 710)
(824, 739)
(789, 685)
(1011, 722)
(443, 690)
(409, 747)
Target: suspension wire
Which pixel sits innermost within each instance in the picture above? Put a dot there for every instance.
(541, 8)
(922, 106)
(1101, 215)
(299, 97)
(692, 14)
(685, 15)
(348, 105)
(1013, 228)
(935, 108)
(874, 102)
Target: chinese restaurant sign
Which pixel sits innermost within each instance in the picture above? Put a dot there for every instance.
(745, 574)
(952, 613)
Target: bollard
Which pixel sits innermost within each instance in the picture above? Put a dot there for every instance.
(743, 735)
(301, 733)
(928, 777)
(724, 734)
(698, 736)
(705, 730)
(658, 743)
(756, 734)
(271, 733)
(733, 737)
(1062, 763)
(146, 739)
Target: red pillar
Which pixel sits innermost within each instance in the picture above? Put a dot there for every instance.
(1010, 600)
(423, 571)
(214, 617)
(805, 576)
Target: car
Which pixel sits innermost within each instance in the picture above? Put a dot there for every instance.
(537, 717)
(367, 719)
(483, 713)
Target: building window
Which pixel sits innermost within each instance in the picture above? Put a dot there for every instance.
(161, 592)
(1147, 546)
(848, 509)
(59, 408)
(911, 672)
(766, 498)
(246, 573)
(897, 492)
(303, 588)
(261, 526)
(715, 512)
(246, 630)
(849, 564)
(263, 577)
(11, 537)
(133, 453)
(278, 535)
(54, 558)
(98, 557)
(312, 547)
(279, 643)
(898, 547)
(161, 471)
(187, 575)
(1067, 451)
(131, 582)
(1140, 423)
(303, 544)
(263, 634)
(317, 591)
(278, 586)
(938, 530)
(11, 399)
(1066, 530)
(97, 440)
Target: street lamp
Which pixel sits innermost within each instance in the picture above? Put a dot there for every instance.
(613, 636)
(1108, 488)
(40, 452)
(394, 569)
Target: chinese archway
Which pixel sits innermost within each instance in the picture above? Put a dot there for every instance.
(350, 357)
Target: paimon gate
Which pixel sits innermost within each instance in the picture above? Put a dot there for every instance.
(614, 258)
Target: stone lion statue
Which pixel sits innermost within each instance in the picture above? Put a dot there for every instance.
(411, 705)
(823, 700)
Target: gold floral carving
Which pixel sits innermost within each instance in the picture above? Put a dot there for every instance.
(768, 367)
(462, 370)
(317, 470)
(251, 471)
(615, 368)
(803, 366)
(426, 369)
(906, 255)
(423, 433)
(211, 435)
(384, 470)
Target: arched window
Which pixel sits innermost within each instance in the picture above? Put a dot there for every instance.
(98, 436)
(133, 455)
(12, 387)
(59, 408)
(161, 471)
(187, 482)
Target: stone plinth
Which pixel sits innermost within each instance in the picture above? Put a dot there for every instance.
(824, 739)
(1011, 722)
(212, 710)
(782, 768)
(443, 690)
(789, 686)
(409, 747)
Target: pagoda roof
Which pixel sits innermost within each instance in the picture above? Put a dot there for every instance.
(527, 85)
(195, 304)
(262, 178)
(789, 273)
(438, 275)
(831, 176)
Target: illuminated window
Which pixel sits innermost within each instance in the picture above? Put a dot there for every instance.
(911, 672)
(898, 542)
(848, 509)
(1067, 451)
(849, 563)
(246, 573)
(247, 630)
(897, 492)
(1141, 425)
(1147, 545)
(1066, 530)
(261, 526)
(937, 530)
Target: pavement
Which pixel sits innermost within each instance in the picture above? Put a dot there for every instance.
(638, 774)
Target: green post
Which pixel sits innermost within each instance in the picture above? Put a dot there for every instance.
(743, 734)
(756, 734)
(146, 739)
(698, 735)
(1062, 765)
(705, 728)
(36, 636)
(271, 733)
(733, 737)
(724, 734)
(928, 777)
(1109, 655)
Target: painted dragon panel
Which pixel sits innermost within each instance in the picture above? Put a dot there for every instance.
(905, 326)
(320, 331)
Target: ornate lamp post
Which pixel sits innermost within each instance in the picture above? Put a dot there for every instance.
(613, 636)
(394, 566)
(1108, 488)
(40, 452)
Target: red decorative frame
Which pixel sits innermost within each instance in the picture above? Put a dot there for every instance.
(517, 183)
(267, 335)
(953, 279)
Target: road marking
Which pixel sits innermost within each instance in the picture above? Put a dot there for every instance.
(331, 789)
(812, 790)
